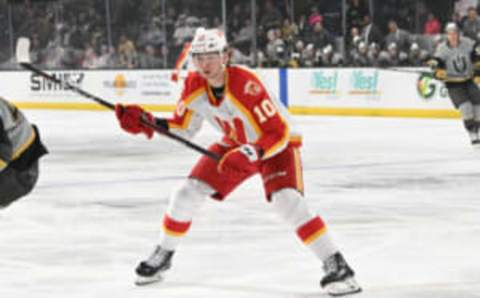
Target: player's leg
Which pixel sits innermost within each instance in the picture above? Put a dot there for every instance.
(460, 97)
(183, 203)
(16, 184)
(282, 176)
(204, 181)
(474, 93)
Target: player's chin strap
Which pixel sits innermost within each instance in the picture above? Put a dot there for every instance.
(23, 58)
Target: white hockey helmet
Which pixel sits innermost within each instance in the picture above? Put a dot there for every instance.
(208, 41)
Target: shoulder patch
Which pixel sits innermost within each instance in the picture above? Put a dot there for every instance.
(252, 88)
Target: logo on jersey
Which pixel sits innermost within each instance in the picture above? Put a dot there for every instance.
(460, 64)
(426, 86)
(252, 88)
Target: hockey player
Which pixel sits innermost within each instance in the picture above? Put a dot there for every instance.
(454, 63)
(258, 138)
(20, 149)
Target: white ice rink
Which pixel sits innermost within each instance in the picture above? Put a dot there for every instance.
(401, 197)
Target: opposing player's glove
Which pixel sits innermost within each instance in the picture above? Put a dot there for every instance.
(129, 117)
(438, 67)
(240, 161)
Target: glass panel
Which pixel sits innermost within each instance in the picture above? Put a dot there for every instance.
(5, 50)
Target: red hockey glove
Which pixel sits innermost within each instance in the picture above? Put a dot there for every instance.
(130, 116)
(174, 77)
(240, 161)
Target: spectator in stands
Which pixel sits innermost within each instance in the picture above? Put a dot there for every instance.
(148, 58)
(416, 56)
(395, 56)
(127, 53)
(457, 19)
(303, 28)
(471, 25)
(356, 13)
(272, 18)
(398, 36)
(432, 25)
(181, 33)
(330, 58)
(296, 56)
(370, 32)
(360, 57)
(107, 57)
(373, 54)
(275, 43)
(315, 17)
(89, 60)
(320, 36)
(308, 56)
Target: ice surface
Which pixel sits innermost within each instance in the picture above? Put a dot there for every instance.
(401, 197)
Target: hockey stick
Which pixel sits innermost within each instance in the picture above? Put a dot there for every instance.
(23, 58)
(420, 72)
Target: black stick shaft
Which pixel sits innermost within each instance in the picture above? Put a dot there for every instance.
(111, 106)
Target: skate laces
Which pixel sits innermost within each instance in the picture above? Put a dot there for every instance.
(158, 257)
(334, 264)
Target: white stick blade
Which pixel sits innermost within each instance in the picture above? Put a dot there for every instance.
(23, 50)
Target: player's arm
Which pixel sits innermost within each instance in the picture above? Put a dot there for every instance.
(438, 67)
(184, 121)
(475, 57)
(274, 131)
(6, 149)
(273, 135)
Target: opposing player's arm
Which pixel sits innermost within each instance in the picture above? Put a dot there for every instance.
(438, 66)
(6, 149)
(475, 57)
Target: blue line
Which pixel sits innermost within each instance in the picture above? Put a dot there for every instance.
(283, 85)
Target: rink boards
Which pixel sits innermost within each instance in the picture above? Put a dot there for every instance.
(312, 91)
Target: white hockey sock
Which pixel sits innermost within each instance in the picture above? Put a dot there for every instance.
(310, 228)
(184, 202)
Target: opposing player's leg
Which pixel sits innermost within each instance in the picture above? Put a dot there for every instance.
(282, 177)
(17, 183)
(204, 181)
(461, 99)
(474, 93)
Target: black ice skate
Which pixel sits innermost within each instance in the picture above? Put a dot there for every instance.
(474, 138)
(338, 279)
(152, 269)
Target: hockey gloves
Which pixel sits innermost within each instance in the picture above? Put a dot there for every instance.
(130, 119)
(240, 161)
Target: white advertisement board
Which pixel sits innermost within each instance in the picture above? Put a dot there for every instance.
(149, 87)
(364, 88)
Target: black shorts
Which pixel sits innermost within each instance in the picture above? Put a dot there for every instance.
(463, 92)
(15, 183)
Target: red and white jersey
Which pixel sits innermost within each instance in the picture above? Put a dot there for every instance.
(248, 112)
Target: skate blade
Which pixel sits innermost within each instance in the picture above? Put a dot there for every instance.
(342, 288)
(143, 280)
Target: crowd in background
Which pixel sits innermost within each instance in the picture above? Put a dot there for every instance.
(74, 33)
